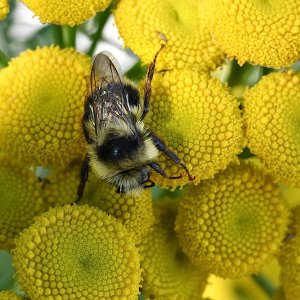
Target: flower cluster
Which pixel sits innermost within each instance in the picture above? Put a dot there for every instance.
(199, 120)
(236, 224)
(68, 12)
(272, 109)
(41, 105)
(143, 24)
(259, 32)
(289, 258)
(79, 251)
(134, 212)
(168, 273)
(4, 8)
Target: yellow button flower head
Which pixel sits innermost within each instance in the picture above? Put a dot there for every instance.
(134, 212)
(4, 8)
(168, 273)
(77, 252)
(260, 32)
(272, 109)
(9, 295)
(60, 187)
(289, 258)
(183, 23)
(234, 223)
(67, 12)
(199, 120)
(21, 200)
(41, 105)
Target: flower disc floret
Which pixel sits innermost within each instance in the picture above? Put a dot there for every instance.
(4, 9)
(260, 32)
(135, 212)
(9, 295)
(289, 258)
(234, 223)
(21, 200)
(67, 12)
(272, 117)
(42, 95)
(60, 187)
(168, 273)
(183, 23)
(199, 120)
(77, 252)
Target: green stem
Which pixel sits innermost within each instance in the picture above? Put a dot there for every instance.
(57, 34)
(100, 20)
(4, 59)
(136, 72)
(264, 284)
(68, 36)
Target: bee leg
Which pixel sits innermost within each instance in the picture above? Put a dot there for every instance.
(157, 168)
(162, 147)
(147, 86)
(84, 174)
(150, 185)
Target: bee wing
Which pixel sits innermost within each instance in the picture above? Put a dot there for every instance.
(111, 106)
(105, 69)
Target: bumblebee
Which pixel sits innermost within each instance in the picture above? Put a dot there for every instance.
(120, 149)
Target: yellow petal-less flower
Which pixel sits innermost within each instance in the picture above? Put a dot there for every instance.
(134, 212)
(272, 110)
(199, 120)
(4, 9)
(168, 273)
(67, 12)
(182, 22)
(234, 223)
(41, 105)
(289, 258)
(21, 200)
(60, 187)
(9, 295)
(77, 252)
(260, 32)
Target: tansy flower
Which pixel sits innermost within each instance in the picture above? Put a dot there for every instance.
(67, 12)
(232, 224)
(4, 8)
(197, 119)
(279, 295)
(144, 24)
(272, 109)
(134, 212)
(9, 295)
(60, 187)
(77, 252)
(168, 273)
(21, 199)
(260, 32)
(289, 258)
(41, 105)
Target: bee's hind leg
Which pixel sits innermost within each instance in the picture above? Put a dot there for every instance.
(148, 81)
(162, 147)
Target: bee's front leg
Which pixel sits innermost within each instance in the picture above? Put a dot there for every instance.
(84, 175)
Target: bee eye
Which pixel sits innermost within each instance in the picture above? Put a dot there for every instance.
(116, 152)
